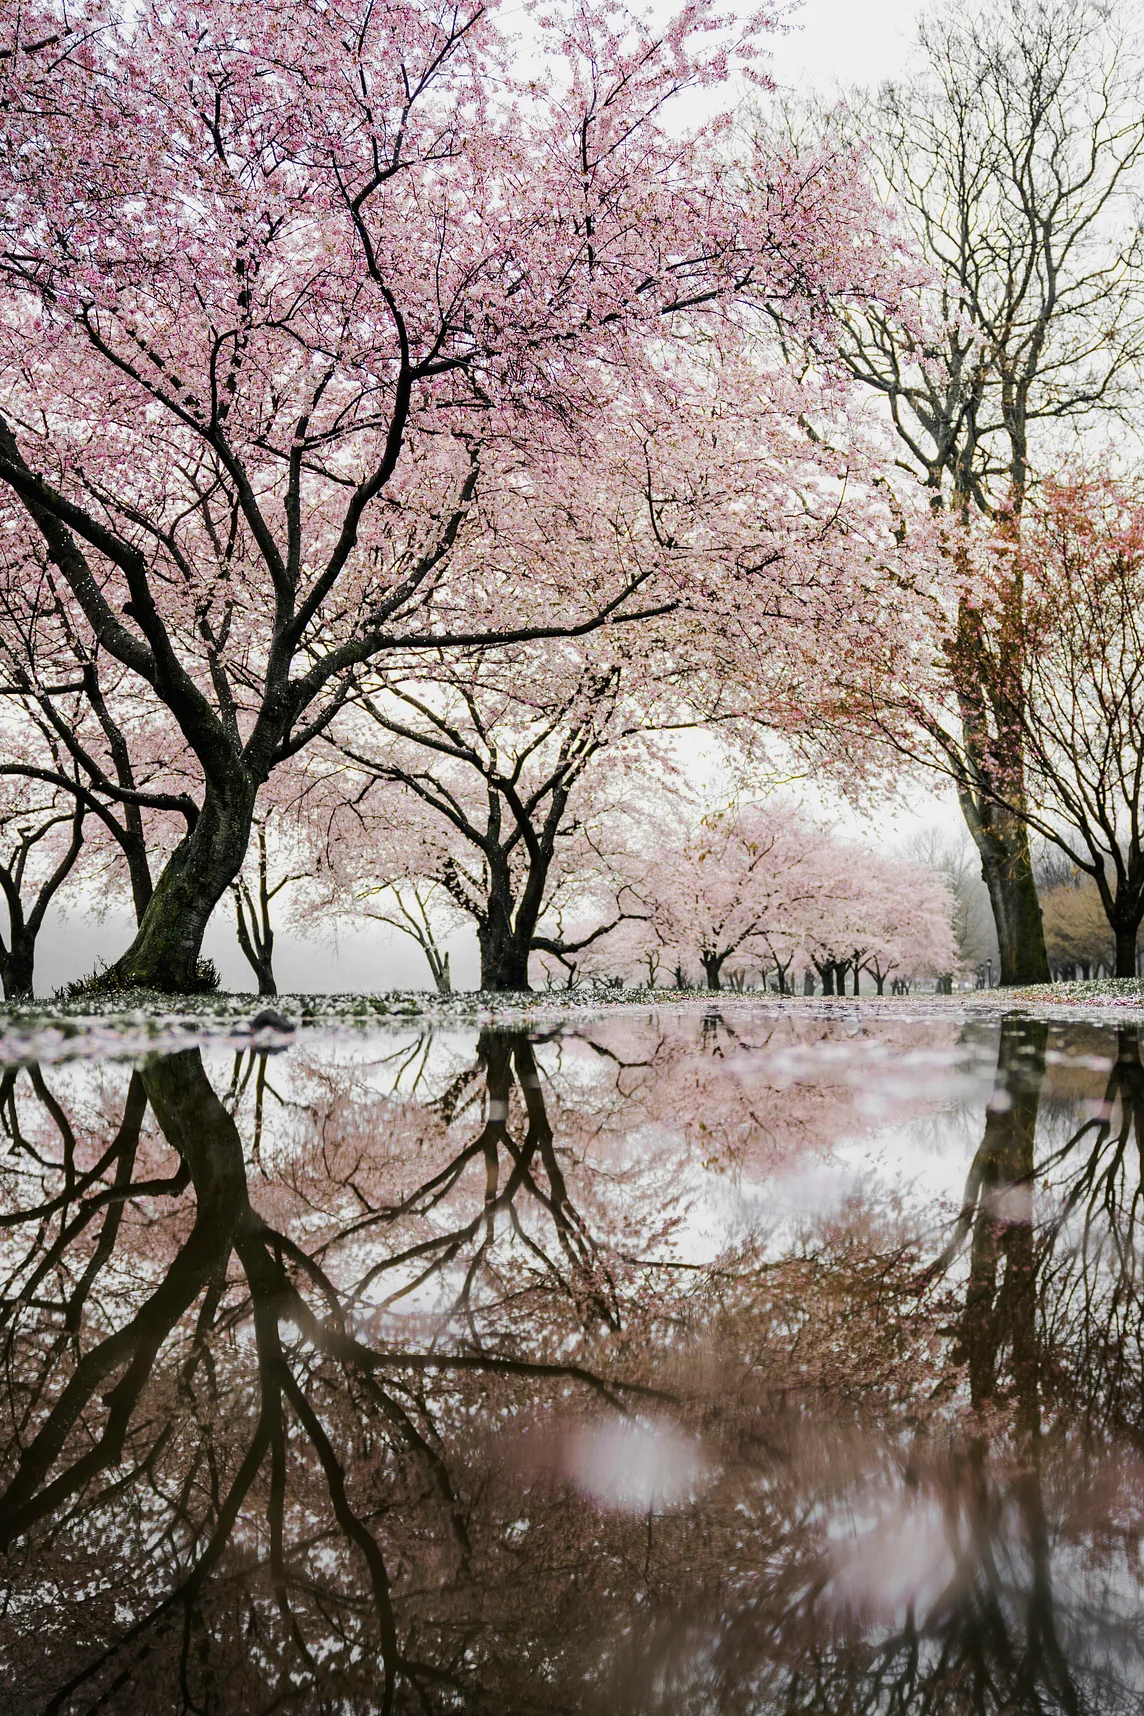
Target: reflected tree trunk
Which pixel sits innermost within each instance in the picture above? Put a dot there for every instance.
(1000, 1320)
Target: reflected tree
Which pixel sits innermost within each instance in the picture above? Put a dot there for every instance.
(445, 1409)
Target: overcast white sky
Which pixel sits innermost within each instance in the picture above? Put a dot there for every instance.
(823, 44)
(829, 42)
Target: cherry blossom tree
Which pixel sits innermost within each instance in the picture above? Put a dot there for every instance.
(499, 779)
(907, 918)
(280, 863)
(761, 883)
(291, 296)
(885, 916)
(728, 883)
(370, 861)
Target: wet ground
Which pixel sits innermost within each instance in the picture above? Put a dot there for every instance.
(764, 1360)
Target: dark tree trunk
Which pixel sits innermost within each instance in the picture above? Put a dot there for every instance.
(826, 972)
(879, 984)
(504, 956)
(256, 941)
(17, 967)
(264, 972)
(857, 976)
(1002, 1178)
(506, 932)
(1126, 952)
(439, 966)
(139, 872)
(1002, 842)
(165, 953)
(712, 966)
(18, 958)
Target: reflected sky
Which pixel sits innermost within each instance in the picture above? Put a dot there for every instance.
(687, 1363)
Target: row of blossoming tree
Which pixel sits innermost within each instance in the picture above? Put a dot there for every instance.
(406, 428)
(663, 895)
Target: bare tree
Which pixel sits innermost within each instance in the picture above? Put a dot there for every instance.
(1080, 718)
(409, 906)
(1013, 153)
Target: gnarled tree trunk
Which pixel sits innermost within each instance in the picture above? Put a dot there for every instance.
(504, 949)
(166, 950)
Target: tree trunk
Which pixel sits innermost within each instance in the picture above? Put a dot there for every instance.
(879, 984)
(504, 956)
(165, 953)
(1001, 1179)
(1126, 952)
(712, 965)
(139, 872)
(827, 974)
(17, 967)
(857, 976)
(257, 948)
(264, 971)
(1002, 841)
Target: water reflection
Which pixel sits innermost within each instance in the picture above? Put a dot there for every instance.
(408, 1374)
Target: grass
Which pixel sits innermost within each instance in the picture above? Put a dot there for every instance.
(1114, 991)
(137, 1022)
(134, 1023)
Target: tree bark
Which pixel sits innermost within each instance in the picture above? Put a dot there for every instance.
(712, 966)
(439, 966)
(165, 952)
(257, 947)
(1126, 952)
(265, 975)
(994, 779)
(17, 968)
(1007, 871)
(504, 955)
